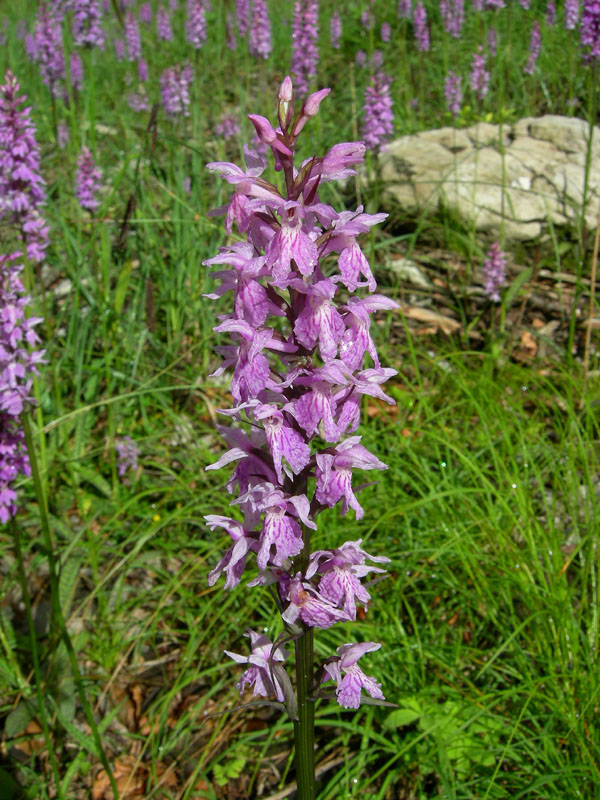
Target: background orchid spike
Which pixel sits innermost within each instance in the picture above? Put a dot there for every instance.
(300, 363)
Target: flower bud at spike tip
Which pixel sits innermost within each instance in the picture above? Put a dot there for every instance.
(310, 108)
(285, 107)
(267, 133)
(285, 90)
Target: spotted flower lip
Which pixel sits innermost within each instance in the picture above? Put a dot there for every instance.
(334, 474)
(260, 672)
(233, 562)
(283, 440)
(300, 361)
(349, 677)
(341, 571)
(306, 604)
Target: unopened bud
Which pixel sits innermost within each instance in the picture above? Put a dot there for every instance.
(264, 130)
(267, 133)
(312, 103)
(285, 90)
(285, 108)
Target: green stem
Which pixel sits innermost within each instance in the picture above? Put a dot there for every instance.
(35, 655)
(304, 728)
(12, 660)
(55, 602)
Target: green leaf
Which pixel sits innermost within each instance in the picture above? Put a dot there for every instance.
(220, 776)
(81, 738)
(67, 694)
(513, 289)
(401, 717)
(7, 628)
(8, 786)
(19, 718)
(6, 675)
(93, 477)
(69, 575)
(122, 284)
(229, 771)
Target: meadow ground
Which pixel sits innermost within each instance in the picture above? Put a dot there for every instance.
(489, 612)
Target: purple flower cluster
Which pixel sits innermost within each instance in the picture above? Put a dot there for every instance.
(259, 37)
(480, 76)
(127, 455)
(378, 115)
(175, 85)
(494, 272)
(164, 31)
(243, 17)
(385, 32)
(590, 30)
(305, 34)
(142, 70)
(76, 70)
(62, 135)
(420, 27)
(119, 49)
(453, 93)
(145, 13)
(133, 41)
(550, 14)
(46, 48)
(88, 180)
(298, 379)
(22, 188)
(228, 127)
(87, 24)
(404, 9)
(535, 46)
(138, 101)
(453, 16)
(195, 25)
(335, 30)
(230, 28)
(571, 14)
(18, 365)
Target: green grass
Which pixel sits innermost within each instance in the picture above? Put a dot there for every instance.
(489, 614)
(488, 617)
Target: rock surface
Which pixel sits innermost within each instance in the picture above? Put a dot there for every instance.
(541, 169)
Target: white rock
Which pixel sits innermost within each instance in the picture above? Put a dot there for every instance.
(537, 180)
